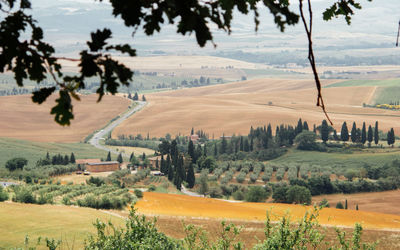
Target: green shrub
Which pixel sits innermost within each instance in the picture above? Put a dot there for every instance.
(152, 188)
(138, 193)
(256, 194)
(23, 195)
(3, 194)
(339, 205)
(299, 195)
(238, 195)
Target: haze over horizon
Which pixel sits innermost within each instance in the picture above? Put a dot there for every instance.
(372, 32)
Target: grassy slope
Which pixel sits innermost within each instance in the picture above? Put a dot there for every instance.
(354, 83)
(69, 223)
(354, 160)
(387, 95)
(33, 151)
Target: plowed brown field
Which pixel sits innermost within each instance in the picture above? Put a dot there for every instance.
(22, 119)
(233, 108)
(182, 205)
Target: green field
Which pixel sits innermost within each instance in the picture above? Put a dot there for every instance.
(387, 95)
(71, 224)
(355, 83)
(33, 151)
(336, 161)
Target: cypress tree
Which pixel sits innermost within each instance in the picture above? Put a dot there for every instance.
(344, 133)
(168, 165)
(305, 126)
(241, 146)
(157, 165)
(170, 172)
(324, 131)
(108, 156)
(370, 135)
(345, 204)
(376, 133)
(143, 98)
(199, 152)
(246, 146)
(66, 160)
(314, 129)
(299, 127)
(269, 131)
(119, 158)
(393, 136)
(190, 177)
(224, 145)
(48, 156)
(335, 137)
(143, 156)
(131, 157)
(192, 131)
(205, 150)
(136, 97)
(162, 163)
(72, 158)
(354, 132)
(363, 134)
(251, 144)
(215, 150)
(191, 151)
(357, 207)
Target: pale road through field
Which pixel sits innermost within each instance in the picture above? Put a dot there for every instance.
(95, 140)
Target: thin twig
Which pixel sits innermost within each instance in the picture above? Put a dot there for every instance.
(311, 57)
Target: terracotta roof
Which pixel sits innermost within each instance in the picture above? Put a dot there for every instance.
(84, 161)
(103, 163)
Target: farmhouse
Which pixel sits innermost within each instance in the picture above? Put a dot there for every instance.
(104, 166)
(153, 162)
(86, 161)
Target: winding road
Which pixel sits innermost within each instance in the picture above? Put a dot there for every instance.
(95, 140)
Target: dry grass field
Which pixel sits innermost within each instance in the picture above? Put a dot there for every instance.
(182, 205)
(384, 202)
(137, 151)
(79, 178)
(22, 119)
(71, 224)
(233, 108)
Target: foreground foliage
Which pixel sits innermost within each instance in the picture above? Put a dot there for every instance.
(141, 233)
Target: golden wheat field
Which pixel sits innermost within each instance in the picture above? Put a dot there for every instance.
(182, 205)
(232, 108)
(23, 119)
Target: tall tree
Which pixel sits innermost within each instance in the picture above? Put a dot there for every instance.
(143, 98)
(354, 132)
(72, 158)
(363, 134)
(299, 127)
(344, 133)
(370, 135)
(108, 156)
(305, 126)
(391, 137)
(224, 145)
(136, 97)
(269, 131)
(190, 177)
(131, 156)
(191, 151)
(192, 131)
(324, 131)
(162, 165)
(376, 133)
(119, 158)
